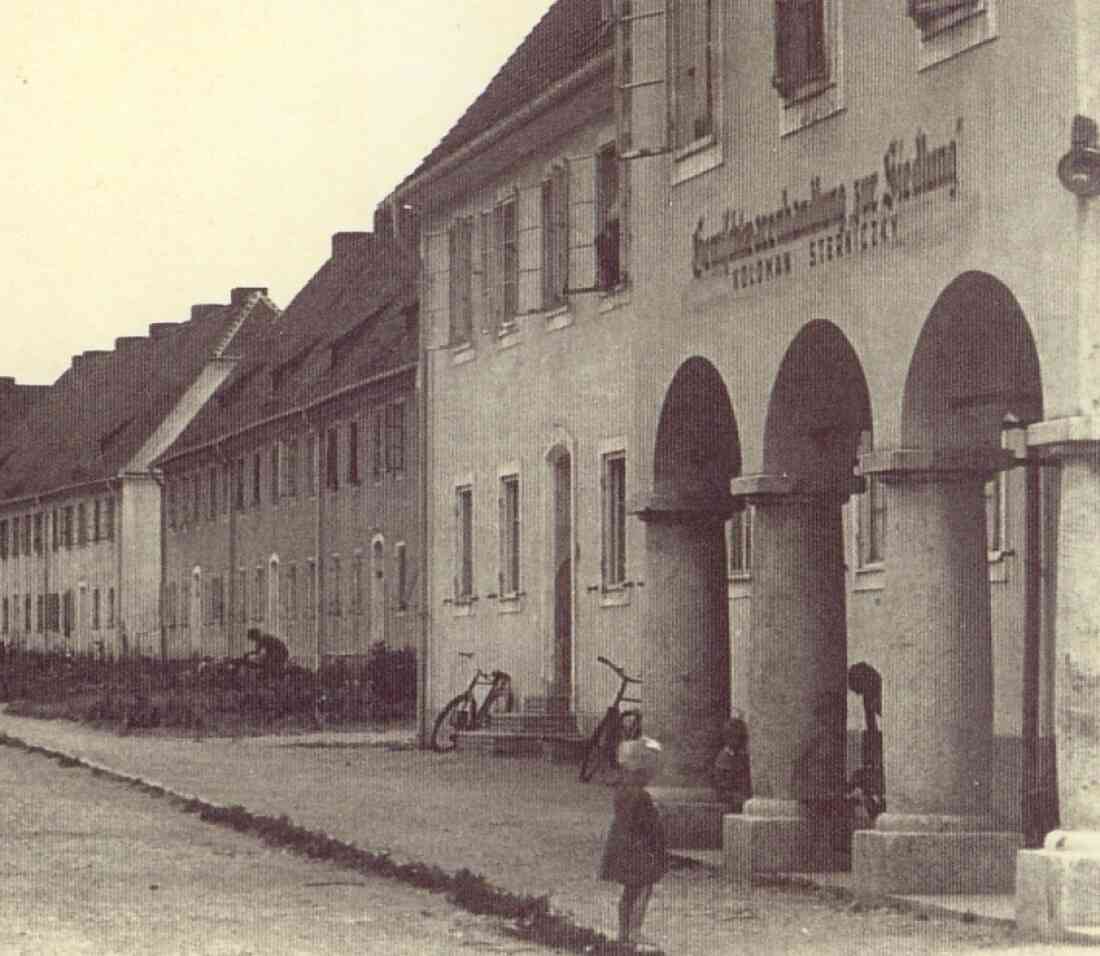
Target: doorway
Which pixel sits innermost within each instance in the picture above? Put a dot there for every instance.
(561, 568)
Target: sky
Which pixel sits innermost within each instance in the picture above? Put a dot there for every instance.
(157, 153)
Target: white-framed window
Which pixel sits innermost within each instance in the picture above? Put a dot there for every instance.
(395, 437)
(613, 550)
(808, 61)
(401, 557)
(739, 543)
(464, 544)
(460, 238)
(353, 452)
(869, 514)
(555, 237)
(290, 467)
(946, 28)
(695, 69)
(509, 529)
(500, 262)
(611, 232)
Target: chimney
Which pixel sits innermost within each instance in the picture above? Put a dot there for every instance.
(349, 245)
(158, 330)
(205, 311)
(7, 383)
(383, 221)
(241, 294)
(127, 343)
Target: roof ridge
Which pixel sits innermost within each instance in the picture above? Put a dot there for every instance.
(235, 326)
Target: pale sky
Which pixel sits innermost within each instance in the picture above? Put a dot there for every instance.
(156, 153)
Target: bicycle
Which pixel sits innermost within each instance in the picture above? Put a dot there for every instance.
(463, 712)
(615, 726)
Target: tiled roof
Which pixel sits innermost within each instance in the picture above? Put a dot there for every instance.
(105, 407)
(569, 34)
(361, 302)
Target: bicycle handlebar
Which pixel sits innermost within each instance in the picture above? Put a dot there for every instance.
(618, 670)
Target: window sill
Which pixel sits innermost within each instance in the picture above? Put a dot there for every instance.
(955, 34)
(461, 354)
(698, 157)
(462, 607)
(510, 603)
(508, 335)
(559, 317)
(618, 596)
(613, 299)
(870, 577)
(810, 105)
(998, 565)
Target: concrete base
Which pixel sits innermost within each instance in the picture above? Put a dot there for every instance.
(927, 862)
(1058, 892)
(691, 818)
(770, 845)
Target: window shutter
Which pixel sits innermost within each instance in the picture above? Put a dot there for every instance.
(925, 12)
(437, 264)
(458, 243)
(485, 250)
(783, 80)
(582, 223)
(641, 71)
(529, 239)
(502, 549)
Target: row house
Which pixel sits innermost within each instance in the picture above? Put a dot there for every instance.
(759, 344)
(291, 500)
(80, 543)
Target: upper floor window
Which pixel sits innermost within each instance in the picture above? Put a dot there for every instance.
(464, 544)
(695, 64)
(395, 437)
(948, 27)
(212, 493)
(256, 480)
(97, 524)
(238, 496)
(38, 533)
(67, 527)
(739, 554)
(932, 16)
(610, 234)
(353, 452)
(332, 459)
(555, 237)
(613, 552)
(109, 521)
(461, 240)
(3, 539)
(290, 467)
(502, 264)
(311, 464)
(81, 524)
(275, 473)
(801, 46)
(509, 535)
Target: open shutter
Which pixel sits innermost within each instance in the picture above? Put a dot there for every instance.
(582, 224)
(502, 541)
(529, 238)
(641, 71)
(437, 264)
(783, 80)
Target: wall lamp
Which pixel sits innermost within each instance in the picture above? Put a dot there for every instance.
(1079, 169)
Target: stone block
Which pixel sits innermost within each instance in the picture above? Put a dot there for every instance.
(691, 825)
(1058, 894)
(767, 845)
(934, 862)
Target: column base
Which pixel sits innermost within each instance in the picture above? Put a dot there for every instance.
(691, 817)
(1058, 887)
(778, 840)
(934, 862)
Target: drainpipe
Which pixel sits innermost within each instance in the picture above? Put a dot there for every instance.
(158, 477)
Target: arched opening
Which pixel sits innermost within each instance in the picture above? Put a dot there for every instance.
(686, 662)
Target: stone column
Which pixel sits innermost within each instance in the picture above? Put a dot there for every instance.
(1058, 887)
(686, 663)
(938, 834)
(799, 652)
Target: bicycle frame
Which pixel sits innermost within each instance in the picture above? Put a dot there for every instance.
(609, 732)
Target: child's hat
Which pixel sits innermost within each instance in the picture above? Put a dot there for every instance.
(641, 754)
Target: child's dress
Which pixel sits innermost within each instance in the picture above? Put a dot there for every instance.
(635, 852)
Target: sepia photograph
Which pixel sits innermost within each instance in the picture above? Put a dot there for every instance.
(550, 476)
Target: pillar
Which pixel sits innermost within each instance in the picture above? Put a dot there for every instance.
(686, 663)
(798, 653)
(1058, 886)
(938, 834)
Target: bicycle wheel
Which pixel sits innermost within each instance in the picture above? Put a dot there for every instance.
(499, 701)
(456, 716)
(601, 745)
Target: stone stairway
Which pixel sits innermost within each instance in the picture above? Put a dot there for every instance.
(542, 727)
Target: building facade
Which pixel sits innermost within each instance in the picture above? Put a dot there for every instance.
(292, 499)
(80, 543)
(847, 363)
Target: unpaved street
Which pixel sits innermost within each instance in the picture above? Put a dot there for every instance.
(93, 866)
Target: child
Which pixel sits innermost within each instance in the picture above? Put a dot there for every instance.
(729, 774)
(635, 853)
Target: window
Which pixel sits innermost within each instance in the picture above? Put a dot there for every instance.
(801, 52)
(275, 473)
(378, 465)
(555, 237)
(290, 467)
(695, 62)
(27, 534)
(171, 597)
(242, 595)
(948, 27)
(95, 609)
(3, 540)
(501, 264)
(110, 607)
(227, 486)
(260, 597)
(196, 499)
(292, 592)
(311, 588)
(238, 498)
(395, 437)
(935, 16)
(509, 535)
(55, 529)
(335, 587)
(212, 494)
(460, 238)
(256, 475)
(464, 541)
(870, 513)
(82, 523)
(402, 576)
(4, 616)
(332, 460)
(97, 525)
(353, 452)
(109, 519)
(609, 231)
(185, 605)
(739, 552)
(68, 613)
(53, 612)
(357, 586)
(38, 533)
(613, 560)
(311, 464)
(68, 526)
(40, 613)
(27, 613)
